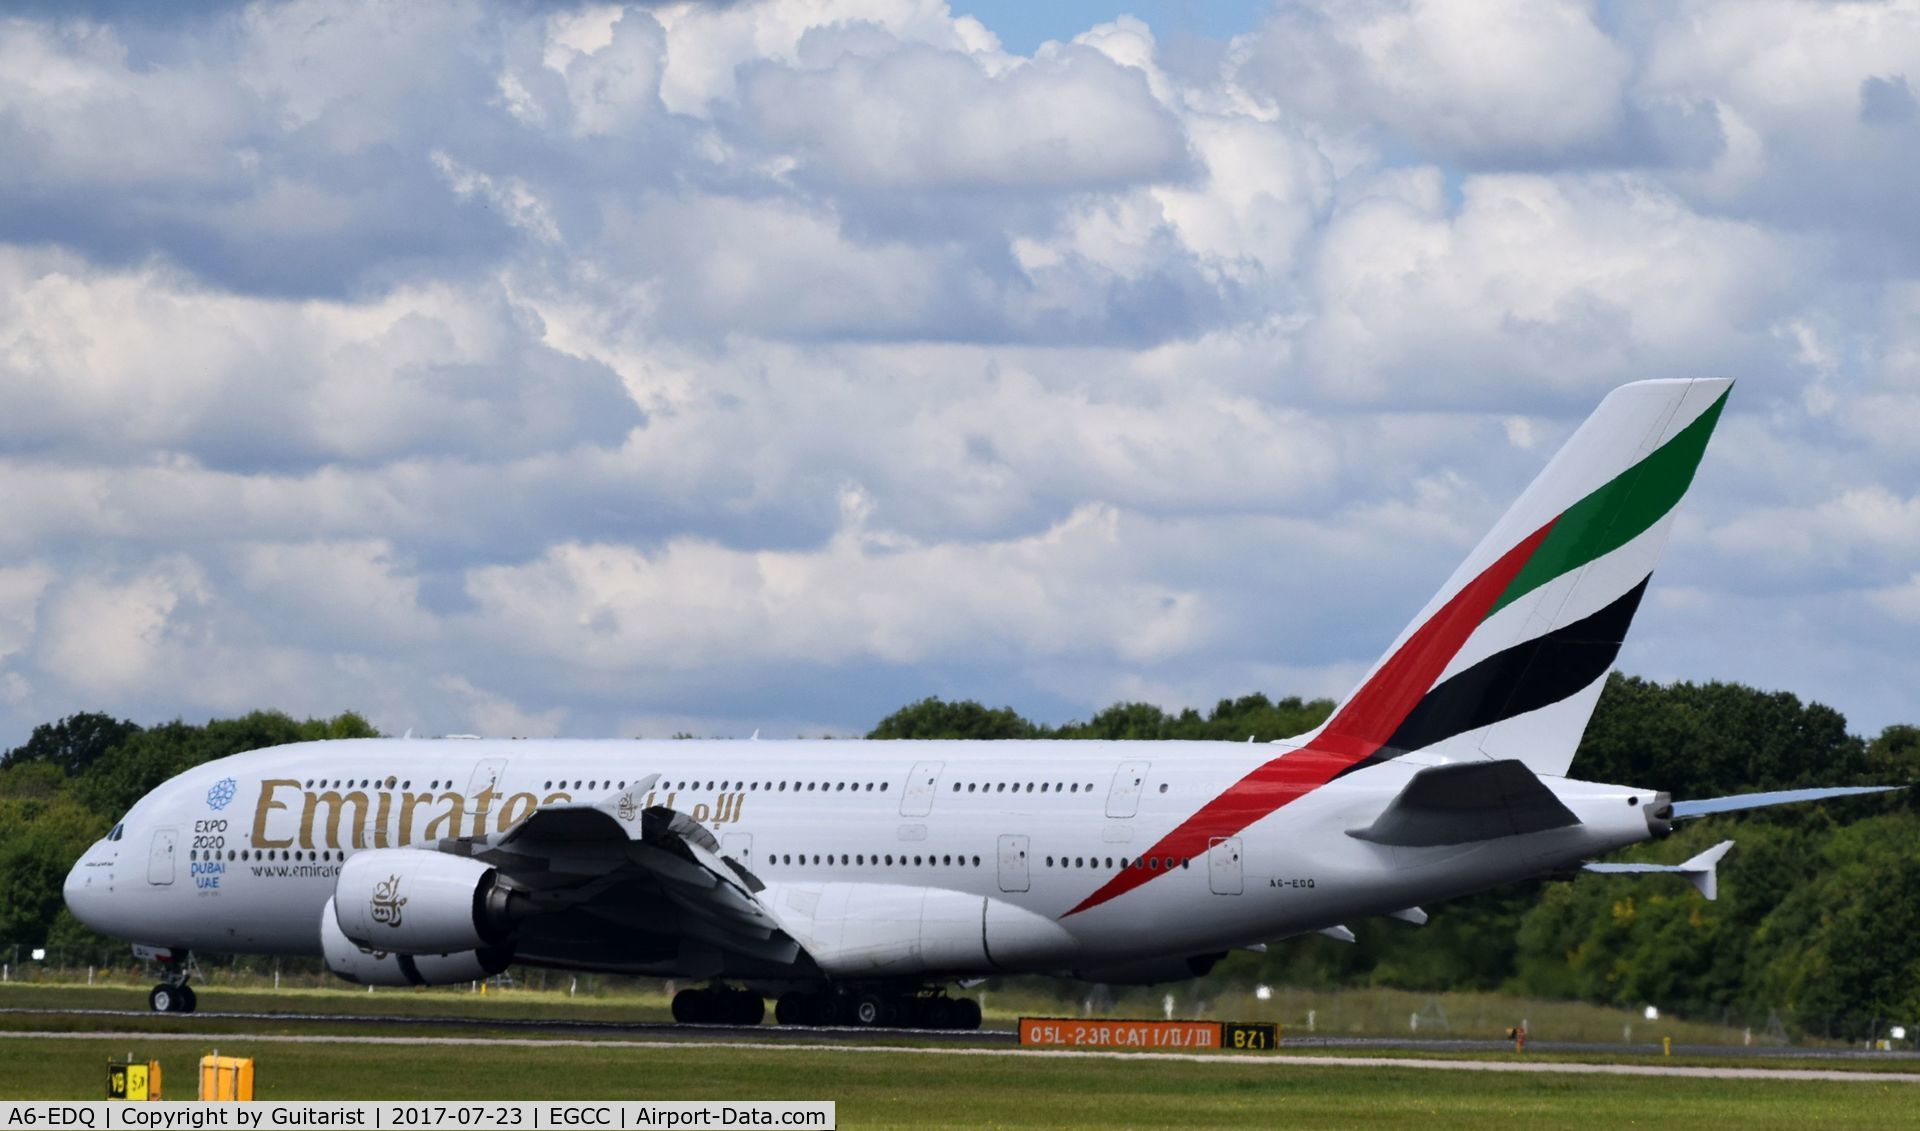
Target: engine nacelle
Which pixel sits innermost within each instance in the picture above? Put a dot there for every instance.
(1152, 971)
(412, 901)
(381, 968)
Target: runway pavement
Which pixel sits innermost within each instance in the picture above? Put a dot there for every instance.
(643, 1032)
(699, 1038)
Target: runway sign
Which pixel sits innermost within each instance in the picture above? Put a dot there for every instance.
(1111, 1033)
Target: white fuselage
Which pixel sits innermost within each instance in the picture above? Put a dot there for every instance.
(241, 854)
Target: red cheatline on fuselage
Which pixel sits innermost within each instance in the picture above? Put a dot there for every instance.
(1362, 726)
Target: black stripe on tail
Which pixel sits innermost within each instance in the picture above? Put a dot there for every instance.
(1526, 677)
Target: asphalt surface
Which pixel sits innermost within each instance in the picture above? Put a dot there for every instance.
(1279, 1060)
(657, 1031)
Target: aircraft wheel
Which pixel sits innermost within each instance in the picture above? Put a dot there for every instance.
(939, 1013)
(749, 1008)
(164, 999)
(189, 1001)
(691, 1007)
(870, 1009)
(966, 1014)
(792, 1008)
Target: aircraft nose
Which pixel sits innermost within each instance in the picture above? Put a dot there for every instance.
(86, 888)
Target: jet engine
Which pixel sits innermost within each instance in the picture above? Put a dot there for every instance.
(411, 901)
(1152, 971)
(366, 967)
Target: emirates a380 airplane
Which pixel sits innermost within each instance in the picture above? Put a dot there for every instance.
(856, 880)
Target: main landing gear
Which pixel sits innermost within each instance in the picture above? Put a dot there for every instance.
(872, 1008)
(720, 1005)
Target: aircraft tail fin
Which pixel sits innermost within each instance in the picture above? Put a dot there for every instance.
(1508, 659)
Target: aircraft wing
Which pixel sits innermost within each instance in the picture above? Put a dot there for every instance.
(611, 877)
(1467, 801)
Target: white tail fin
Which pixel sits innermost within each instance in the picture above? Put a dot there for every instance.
(1508, 659)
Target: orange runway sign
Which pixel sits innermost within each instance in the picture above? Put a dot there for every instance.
(1110, 1033)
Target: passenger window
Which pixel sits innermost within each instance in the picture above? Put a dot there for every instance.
(1076, 787)
(970, 786)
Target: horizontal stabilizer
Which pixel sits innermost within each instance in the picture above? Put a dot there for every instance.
(1467, 801)
(1682, 810)
(1700, 871)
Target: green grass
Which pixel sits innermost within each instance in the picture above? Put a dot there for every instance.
(915, 1090)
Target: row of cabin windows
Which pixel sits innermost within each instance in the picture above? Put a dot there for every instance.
(437, 783)
(887, 860)
(268, 854)
(1143, 863)
(779, 786)
(1028, 787)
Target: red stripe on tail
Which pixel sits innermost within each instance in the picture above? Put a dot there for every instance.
(1361, 727)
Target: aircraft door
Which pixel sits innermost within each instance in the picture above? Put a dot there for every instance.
(738, 847)
(1013, 863)
(1123, 798)
(160, 862)
(917, 801)
(486, 775)
(1224, 874)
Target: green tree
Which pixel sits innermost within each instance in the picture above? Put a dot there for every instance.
(1711, 739)
(933, 717)
(40, 838)
(73, 743)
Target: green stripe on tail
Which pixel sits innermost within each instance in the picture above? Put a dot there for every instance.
(1619, 511)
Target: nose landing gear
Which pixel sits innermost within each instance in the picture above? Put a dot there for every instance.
(177, 968)
(172, 997)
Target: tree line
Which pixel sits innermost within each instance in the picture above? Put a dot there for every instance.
(1818, 919)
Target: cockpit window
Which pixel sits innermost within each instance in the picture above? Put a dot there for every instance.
(117, 830)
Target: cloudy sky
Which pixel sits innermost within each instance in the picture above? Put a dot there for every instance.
(524, 370)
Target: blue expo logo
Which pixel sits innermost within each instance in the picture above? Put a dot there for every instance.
(220, 793)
